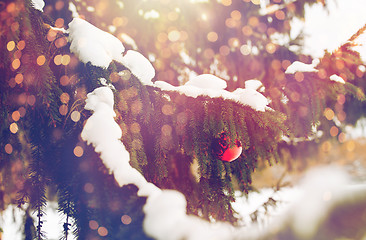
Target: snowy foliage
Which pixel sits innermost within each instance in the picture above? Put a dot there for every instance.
(196, 87)
(139, 66)
(90, 44)
(165, 210)
(337, 78)
(207, 81)
(254, 84)
(104, 134)
(38, 4)
(300, 67)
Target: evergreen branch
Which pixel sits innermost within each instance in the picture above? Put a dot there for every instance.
(357, 34)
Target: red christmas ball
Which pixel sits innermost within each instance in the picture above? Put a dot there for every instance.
(225, 151)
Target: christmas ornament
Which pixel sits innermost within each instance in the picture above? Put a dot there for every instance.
(225, 151)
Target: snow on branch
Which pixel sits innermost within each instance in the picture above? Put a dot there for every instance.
(165, 210)
(302, 67)
(38, 4)
(90, 44)
(139, 66)
(212, 86)
(337, 78)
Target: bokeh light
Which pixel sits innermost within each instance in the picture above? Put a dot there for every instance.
(21, 45)
(63, 109)
(166, 130)
(10, 46)
(89, 188)
(15, 64)
(31, 100)
(75, 116)
(19, 78)
(8, 148)
(212, 36)
(102, 231)
(93, 225)
(41, 60)
(15, 116)
(13, 128)
(329, 114)
(125, 219)
(78, 151)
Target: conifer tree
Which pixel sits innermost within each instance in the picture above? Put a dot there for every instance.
(52, 83)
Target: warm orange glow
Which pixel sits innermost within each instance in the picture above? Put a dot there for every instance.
(125, 219)
(19, 78)
(234, 42)
(326, 146)
(295, 96)
(22, 111)
(166, 130)
(235, 15)
(51, 35)
(64, 80)
(299, 76)
(31, 100)
(8, 148)
(329, 114)
(65, 98)
(59, 5)
(271, 48)
(14, 26)
(117, 21)
(78, 151)
(334, 131)
(167, 109)
(342, 137)
(226, 2)
(253, 21)
(341, 99)
(174, 35)
(75, 116)
(341, 115)
(245, 50)
(14, 128)
(280, 15)
(41, 60)
(57, 59)
(59, 23)
(65, 60)
(212, 36)
(93, 224)
(351, 146)
(286, 64)
(63, 110)
(15, 116)
(102, 231)
(15, 64)
(21, 45)
(208, 53)
(162, 37)
(276, 64)
(11, 7)
(10, 46)
(230, 23)
(224, 50)
(247, 30)
(61, 42)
